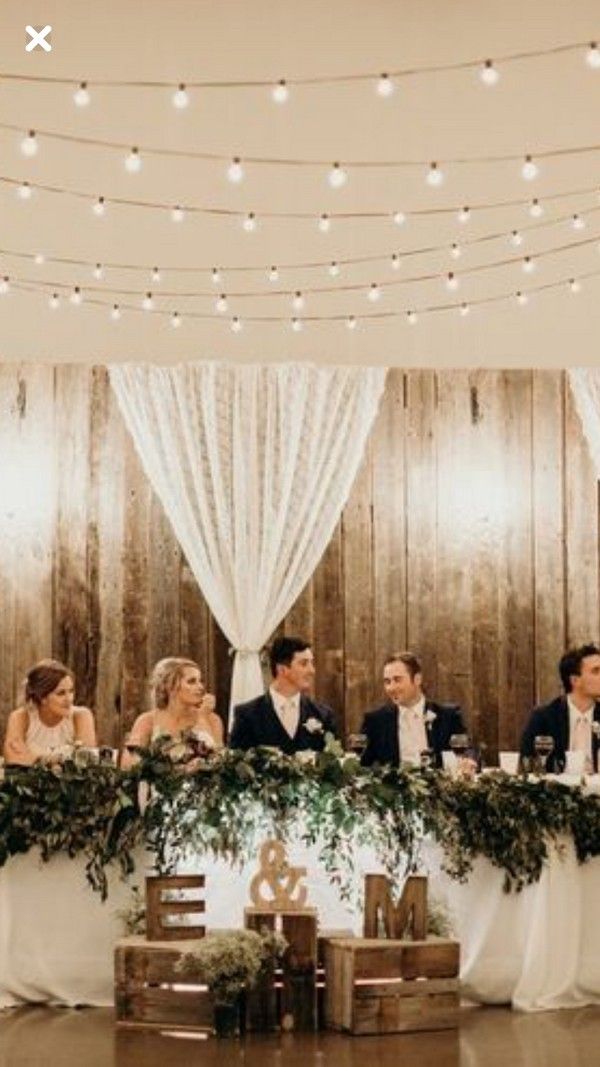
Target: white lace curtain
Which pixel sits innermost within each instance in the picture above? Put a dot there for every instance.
(585, 385)
(253, 466)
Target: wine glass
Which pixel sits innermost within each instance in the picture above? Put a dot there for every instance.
(427, 758)
(357, 743)
(543, 746)
(459, 743)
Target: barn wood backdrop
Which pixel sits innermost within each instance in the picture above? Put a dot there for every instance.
(471, 536)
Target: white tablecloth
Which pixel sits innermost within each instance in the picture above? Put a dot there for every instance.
(537, 949)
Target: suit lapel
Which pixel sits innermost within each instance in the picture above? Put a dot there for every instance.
(394, 734)
(563, 724)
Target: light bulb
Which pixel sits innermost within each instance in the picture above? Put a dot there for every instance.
(488, 73)
(337, 176)
(29, 144)
(178, 214)
(273, 274)
(4, 284)
(577, 222)
(374, 293)
(522, 299)
(180, 98)
(516, 238)
(455, 251)
(54, 301)
(249, 223)
(464, 214)
(156, 275)
(351, 322)
(81, 95)
(452, 281)
(592, 57)
(385, 86)
(296, 325)
(435, 176)
(148, 302)
(412, 317)
(298, 301)
(175, 320)
(216, 276)
(99, 206)
(39, 258)
(280, 92)
(575, 285)
(464, 309)
(76, 297)
(399, 218)
(235, 171)
(535, 209)
(115, 313)
(529, 265)
(133, 162)
(236, 325)
(529, 170)
(396, 261)
(334, 269)
(24, 191)
(324, 224)
(98, 272)
(221, 304)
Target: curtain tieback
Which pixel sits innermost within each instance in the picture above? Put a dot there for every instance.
(244, 651)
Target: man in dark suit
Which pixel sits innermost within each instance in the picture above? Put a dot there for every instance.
(408, 723)
(573, 720)
(285, 717)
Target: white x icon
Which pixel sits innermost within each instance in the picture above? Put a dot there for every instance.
(38, 37)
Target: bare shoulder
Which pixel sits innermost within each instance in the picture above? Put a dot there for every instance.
(216, 723)
(18, 717)
(143, 725)
(83, 712)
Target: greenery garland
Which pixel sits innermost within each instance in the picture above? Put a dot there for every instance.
(226, 803)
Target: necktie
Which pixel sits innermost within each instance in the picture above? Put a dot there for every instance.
(581, 739)
(289, 717)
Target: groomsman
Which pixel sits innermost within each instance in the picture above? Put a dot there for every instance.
(408, 723)
(285, 717)
(573, 719)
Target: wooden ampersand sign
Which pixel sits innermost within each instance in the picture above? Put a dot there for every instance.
(281, 881)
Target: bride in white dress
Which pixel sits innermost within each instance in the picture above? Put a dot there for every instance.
(48, 720)
(181, 705)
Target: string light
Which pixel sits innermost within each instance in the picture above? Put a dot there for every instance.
(399, 218)
(180, 98)
(464, 309)
(464, 215)
(221, 304)
(148, 302)
(535, 209)
(81, 96)
(24, 191)
(298, 301)
(396, 261)
(577, 222)
(385, 86)
(324, 224)
(76, 296)
(337, 176)
(235, 171)
(178, 214)
(236, 325)
(516, 238)
(98, 272)
(575, 285)
(530, 169)
(412, 317)
(374, 293)
(435, 176)
(133, 162)
(216, 276)
(488, 73)
(29, 144)
(280, 92)
(334, 269)
(455, 251)
(99, 207)
(296, 325)
(273, 274)
(351, 322)
(54, 302)
(4, 284)
(156, 275)
(522, 299)
(39, 259)
(452, 282)
(529, 265)
(249, 223)
(593, 56)
(175, 320)
(115, 313)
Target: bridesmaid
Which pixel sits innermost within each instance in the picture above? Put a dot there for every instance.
(48, 719)
(180, 705)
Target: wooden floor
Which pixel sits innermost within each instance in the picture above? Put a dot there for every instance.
(488, 1037)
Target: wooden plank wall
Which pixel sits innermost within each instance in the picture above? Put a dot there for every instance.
(471, 536)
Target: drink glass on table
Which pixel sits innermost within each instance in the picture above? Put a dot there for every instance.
(543, 746)
(357, 743)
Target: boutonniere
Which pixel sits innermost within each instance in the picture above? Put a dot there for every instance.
(596, 728)
(429, 717)
(313, 725)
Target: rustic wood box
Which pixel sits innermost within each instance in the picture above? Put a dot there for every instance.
(388, 987)
(149, 992)
(286, 998)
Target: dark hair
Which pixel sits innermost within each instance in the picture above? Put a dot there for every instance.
(571, 662)
(408, 659)
(43, 679)
(283, 651)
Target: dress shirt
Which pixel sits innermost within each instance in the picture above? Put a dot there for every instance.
(580, 729)
(287, 709)
(412, 735)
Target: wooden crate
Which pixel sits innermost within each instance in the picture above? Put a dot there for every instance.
(287, 998)
(161, 909)
(385, 987)
(149, 992)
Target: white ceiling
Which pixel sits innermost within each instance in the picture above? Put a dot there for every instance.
(539, 104)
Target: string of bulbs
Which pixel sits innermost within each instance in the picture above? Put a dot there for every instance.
(384, 82)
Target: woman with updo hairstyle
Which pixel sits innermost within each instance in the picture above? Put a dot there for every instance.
(48, 720)
(180, 705)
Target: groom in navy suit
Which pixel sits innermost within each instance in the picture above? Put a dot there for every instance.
(408, 723)
(573, 719)
(285, 717)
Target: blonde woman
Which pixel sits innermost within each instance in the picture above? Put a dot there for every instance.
(180, 704)
(49, 719)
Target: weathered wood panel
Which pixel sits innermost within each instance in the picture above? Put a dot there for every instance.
(358, 602)
(581, 540)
